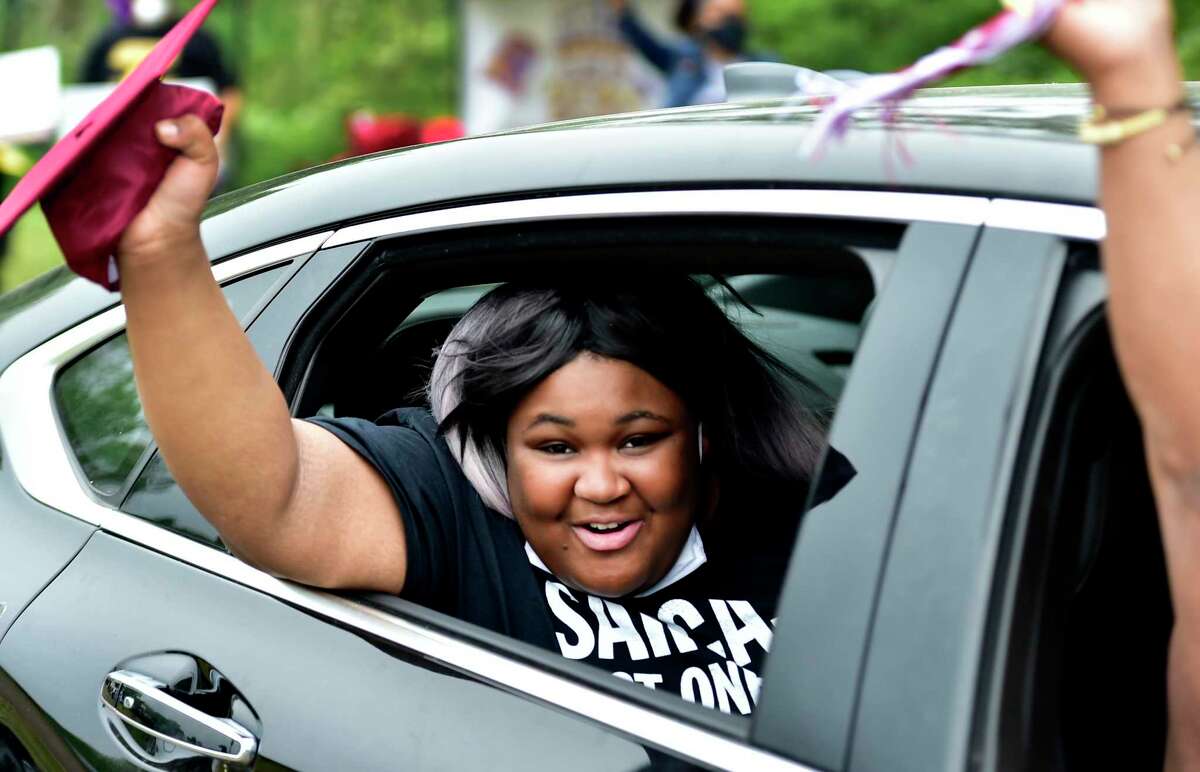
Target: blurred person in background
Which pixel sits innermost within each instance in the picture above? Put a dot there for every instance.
(137, 26)
(716, 36)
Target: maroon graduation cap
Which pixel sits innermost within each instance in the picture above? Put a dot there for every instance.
(96, 180)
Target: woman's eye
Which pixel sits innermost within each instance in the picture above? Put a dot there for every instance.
(641, 440)
(555, 448)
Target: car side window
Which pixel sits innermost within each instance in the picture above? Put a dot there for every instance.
(156, 497)
(102, 416)
(98, 406)
(801, 295)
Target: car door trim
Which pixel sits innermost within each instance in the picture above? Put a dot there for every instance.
(853, 204)
(1066, 220)
(43, 465)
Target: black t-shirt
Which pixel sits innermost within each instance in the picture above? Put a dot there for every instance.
(704, 636)
(122, 47)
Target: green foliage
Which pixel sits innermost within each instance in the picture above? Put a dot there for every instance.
(307, 64)
(884, 35)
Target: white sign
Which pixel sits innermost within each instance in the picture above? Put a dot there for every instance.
(31, 94)
(534, 61)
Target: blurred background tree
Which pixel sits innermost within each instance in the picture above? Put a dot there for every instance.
(304, 65)
(883, 35)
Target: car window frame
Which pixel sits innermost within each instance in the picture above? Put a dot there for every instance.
(406, 258)
(655, 728)
(962, 215)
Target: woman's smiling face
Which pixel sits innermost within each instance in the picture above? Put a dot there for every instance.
(603, 474)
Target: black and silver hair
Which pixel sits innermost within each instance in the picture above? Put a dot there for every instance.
(761, 418)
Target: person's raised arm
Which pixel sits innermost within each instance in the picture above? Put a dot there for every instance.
(1150, 192)
(284, 494)
(661, 56)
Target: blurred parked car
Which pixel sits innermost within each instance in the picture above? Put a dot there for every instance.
(987, 593)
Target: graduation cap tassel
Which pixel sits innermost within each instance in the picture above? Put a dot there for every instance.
(1020, 21)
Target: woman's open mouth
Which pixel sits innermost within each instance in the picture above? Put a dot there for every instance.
(606, 537)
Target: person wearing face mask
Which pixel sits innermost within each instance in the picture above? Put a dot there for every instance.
(137, 26)
(716, 36)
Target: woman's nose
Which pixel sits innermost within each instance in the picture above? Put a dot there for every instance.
(600, 482)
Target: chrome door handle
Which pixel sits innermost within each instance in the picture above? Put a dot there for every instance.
(143, 704)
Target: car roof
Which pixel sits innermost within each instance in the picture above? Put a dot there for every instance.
(1013, 141)
(1009, 141)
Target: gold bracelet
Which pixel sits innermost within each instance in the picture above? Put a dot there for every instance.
(1097, 129)
(1105, 112)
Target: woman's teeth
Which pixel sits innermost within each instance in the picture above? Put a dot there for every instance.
(608, 537)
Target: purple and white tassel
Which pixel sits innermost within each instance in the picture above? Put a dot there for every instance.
(1020, 21)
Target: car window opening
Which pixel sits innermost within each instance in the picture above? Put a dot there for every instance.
(708, 644)
(1092, 590)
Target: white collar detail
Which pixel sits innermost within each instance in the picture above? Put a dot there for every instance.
(691, 557)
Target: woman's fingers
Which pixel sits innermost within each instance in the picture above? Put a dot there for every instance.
(172, 216)
(190, 136)
(1100, 37)
(192, 176)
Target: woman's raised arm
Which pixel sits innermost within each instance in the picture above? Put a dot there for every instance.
(1150, 192)
(286, 495)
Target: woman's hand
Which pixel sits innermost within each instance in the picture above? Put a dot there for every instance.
(170, 223)
(1124, 48)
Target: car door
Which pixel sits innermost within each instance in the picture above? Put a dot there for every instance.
(154, 644)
